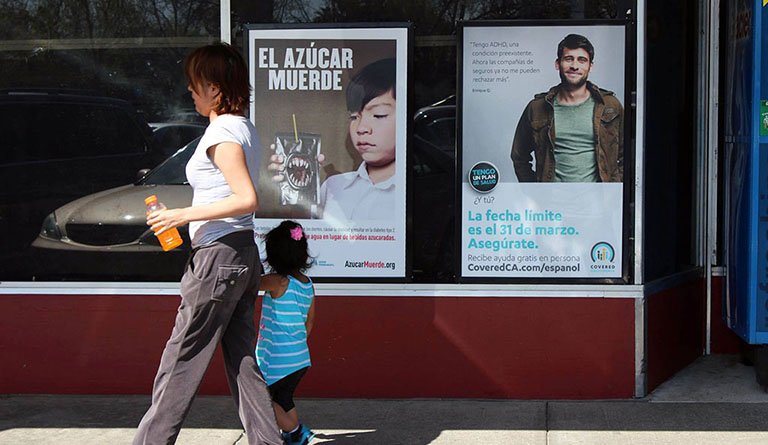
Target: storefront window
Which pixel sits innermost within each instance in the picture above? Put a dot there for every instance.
(88, 91)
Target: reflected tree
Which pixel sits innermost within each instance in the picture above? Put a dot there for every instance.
(150, 77)
(181, 17)
(517, 9)
(427, 16)
(293, 11)
(14, 19)
(78, 19)
(61, 19)
(440, 16)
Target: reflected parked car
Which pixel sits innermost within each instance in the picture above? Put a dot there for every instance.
(436, 124)
(105, 236)
(58, 145)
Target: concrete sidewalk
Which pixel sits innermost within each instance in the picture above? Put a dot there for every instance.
(714, 401)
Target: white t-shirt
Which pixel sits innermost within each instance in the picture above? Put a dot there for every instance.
(352, 196)
(208, 182)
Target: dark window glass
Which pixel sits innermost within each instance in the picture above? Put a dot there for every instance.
(670, 140)
(78, 84)
(46, 131)
(113, 133)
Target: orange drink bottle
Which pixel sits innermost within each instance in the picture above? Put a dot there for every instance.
(170, 238)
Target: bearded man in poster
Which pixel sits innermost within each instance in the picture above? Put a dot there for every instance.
(575, 131)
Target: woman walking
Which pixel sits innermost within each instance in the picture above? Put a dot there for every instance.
(222, 275)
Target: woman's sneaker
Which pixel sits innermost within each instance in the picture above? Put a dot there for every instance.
(300, 437)
(306, 434)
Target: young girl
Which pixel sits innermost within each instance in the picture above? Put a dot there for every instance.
(287, 314)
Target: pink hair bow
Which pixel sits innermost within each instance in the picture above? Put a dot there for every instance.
(296, 233)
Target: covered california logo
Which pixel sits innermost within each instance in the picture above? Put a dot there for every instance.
(602, 257)
(483, 177)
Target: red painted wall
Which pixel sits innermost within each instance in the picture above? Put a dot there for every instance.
(676, 330)
(396, 347)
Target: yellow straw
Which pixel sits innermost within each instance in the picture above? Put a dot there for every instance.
(295, 131)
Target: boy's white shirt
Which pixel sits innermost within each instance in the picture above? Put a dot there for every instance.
(352, 196)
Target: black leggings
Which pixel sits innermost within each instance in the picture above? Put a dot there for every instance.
(282, 390)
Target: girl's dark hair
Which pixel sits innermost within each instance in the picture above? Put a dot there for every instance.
(285, 254)
(372, 81)
(223, 66)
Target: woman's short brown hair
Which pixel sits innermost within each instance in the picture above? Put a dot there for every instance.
(223, 66)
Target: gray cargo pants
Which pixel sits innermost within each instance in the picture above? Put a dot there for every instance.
(218, 291)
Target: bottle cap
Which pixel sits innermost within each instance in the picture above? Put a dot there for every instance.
(150, 199)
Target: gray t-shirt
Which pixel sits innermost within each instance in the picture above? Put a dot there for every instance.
(575, 142)
(208, 182)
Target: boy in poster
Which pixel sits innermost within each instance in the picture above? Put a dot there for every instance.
(367, 193)
(575, 131)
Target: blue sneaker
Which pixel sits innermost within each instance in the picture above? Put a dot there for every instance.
(306, 435)
(300, 437)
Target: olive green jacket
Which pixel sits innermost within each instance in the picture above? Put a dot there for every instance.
(535, 136)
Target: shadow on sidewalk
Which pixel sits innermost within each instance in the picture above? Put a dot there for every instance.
(336, 421)
(408, 422)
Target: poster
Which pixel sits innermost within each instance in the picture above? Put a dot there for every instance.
(330, 108)
(542, 143)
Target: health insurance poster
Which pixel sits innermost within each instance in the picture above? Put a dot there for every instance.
(542, 147)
